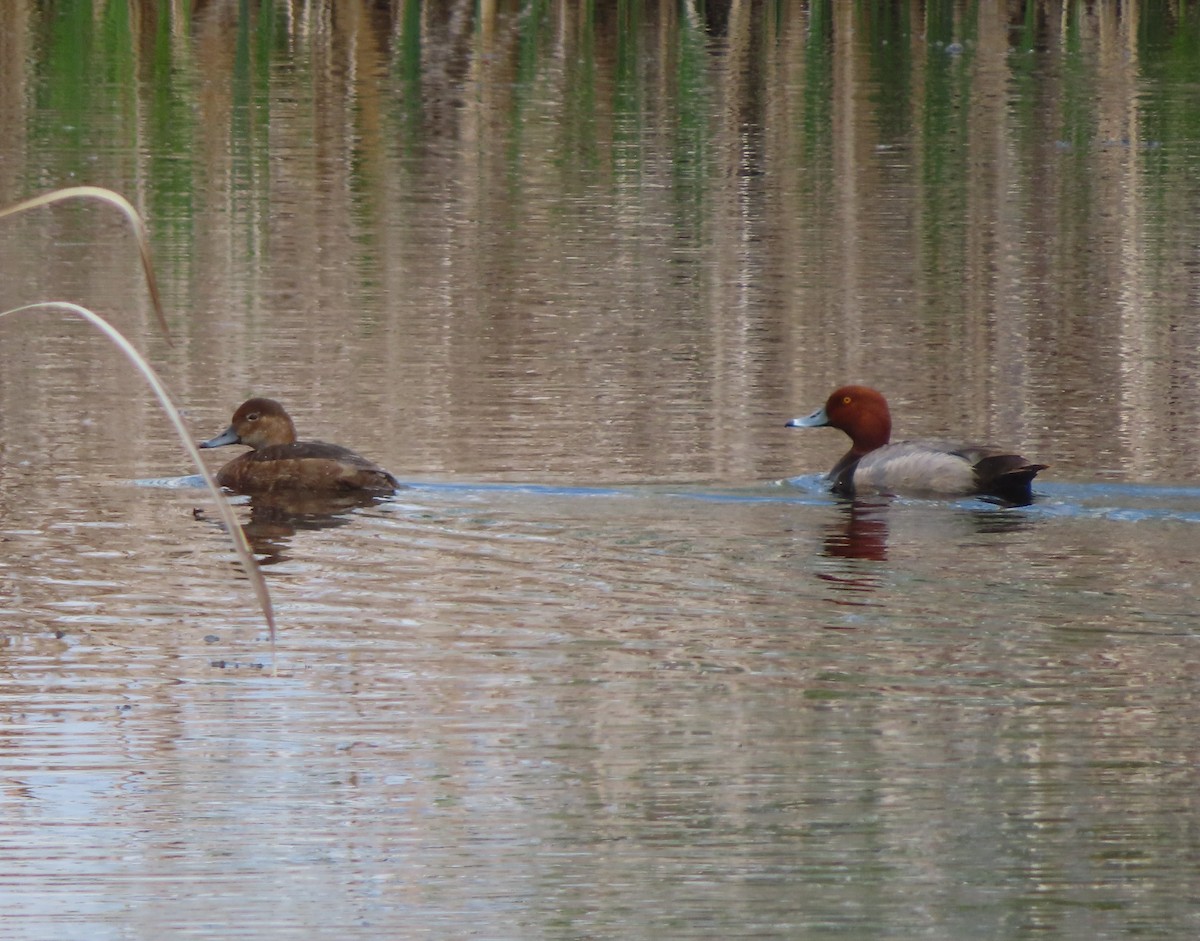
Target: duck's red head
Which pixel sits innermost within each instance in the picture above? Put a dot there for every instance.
(859, 411)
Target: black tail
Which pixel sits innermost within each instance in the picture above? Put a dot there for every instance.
(1009, 477)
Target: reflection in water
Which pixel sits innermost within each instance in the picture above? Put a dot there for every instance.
(859, 535)
(584, 244)
(441, 213)
(860, 532)
(276, 517)
(1000, 521)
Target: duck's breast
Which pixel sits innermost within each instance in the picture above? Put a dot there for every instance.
(917, 467)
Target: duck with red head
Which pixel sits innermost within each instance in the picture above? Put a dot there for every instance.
(922, 467)
(278, 463)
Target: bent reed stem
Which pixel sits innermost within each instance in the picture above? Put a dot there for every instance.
(224, 509)
(134, 218)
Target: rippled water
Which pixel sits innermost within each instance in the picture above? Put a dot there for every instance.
(614, 664)
(605, 711)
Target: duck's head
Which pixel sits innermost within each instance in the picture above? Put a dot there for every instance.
(859, 411)
(257, 423)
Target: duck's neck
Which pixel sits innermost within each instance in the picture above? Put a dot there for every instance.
(871, 431)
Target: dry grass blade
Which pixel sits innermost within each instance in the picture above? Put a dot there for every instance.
(240, 545)
(135, 220)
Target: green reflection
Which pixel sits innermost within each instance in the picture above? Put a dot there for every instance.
(224, 106)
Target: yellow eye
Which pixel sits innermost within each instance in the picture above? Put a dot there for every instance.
(846, 400)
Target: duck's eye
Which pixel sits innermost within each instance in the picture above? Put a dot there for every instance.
(253, 416)
(846, 400)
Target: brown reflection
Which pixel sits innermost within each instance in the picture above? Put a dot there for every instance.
(487, 206)
(860, 532)
(276, 518)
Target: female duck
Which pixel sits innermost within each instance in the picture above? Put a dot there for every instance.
(931, 467)
(278, 462)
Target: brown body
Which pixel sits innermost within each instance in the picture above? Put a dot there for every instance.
(277, 462)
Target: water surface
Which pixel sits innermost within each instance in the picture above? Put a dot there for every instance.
(614, 664)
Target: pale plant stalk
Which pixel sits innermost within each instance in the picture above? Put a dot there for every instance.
(131, 215)
(224, 510)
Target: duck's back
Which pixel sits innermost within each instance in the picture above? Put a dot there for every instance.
(304, 465)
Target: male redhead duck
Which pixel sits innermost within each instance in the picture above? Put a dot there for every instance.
(930, 467)
(277, 462)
